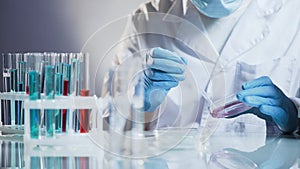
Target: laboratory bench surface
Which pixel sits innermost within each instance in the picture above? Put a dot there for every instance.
(163, 149)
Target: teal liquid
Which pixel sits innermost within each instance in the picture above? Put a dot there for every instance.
(35, 119)
(58, 92)
(36, 163)
(34, 94)
(49, 92)
(50, 123)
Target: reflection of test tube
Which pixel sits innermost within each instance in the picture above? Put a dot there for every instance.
(49, 92)
(34, 94)
(66, 83)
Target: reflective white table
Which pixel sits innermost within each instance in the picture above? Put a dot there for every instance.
(175, 149)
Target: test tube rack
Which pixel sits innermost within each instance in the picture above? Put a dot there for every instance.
(72, 149)
(11, 96)
(65, 150)
(70, 103)
(65, 102)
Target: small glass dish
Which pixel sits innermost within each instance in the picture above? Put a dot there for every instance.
(227, 159)
(228, 107)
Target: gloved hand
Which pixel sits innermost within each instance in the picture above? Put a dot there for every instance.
(164, 70)
(270, 101)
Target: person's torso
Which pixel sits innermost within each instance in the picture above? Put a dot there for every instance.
(261, 42)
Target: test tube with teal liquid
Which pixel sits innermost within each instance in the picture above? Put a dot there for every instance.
(58, 92)
(49, 93)
(34, 94)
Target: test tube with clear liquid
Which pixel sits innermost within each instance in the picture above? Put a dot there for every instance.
(6, 60)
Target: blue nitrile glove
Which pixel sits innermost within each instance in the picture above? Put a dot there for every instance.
(164, 70)
(270, 101)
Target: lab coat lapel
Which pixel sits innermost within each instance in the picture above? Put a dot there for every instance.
(251, 29)
(191, 30)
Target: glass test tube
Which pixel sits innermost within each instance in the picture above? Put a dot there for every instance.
(66, 91)
(1, 89)
(49, 92)
(13, 88)
(21, 88)
(6, 87)
(85, 118)
(58, 112)
(28, 67)
(33, 62)
(75, 90)
(84, 115)
(58, 89)
(34, 94)
(42, 73)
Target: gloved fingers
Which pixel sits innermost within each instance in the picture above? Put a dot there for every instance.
(168, 55)
(257, 101)
(279, 115)
(262, 81)
(168, 66)
(263, 91)
(159, 75)
(167, 85)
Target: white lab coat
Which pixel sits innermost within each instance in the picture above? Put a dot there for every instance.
(264, 41)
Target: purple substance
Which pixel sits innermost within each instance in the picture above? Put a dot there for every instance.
(230, 109)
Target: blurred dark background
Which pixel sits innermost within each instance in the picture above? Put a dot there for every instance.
(56, 25)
